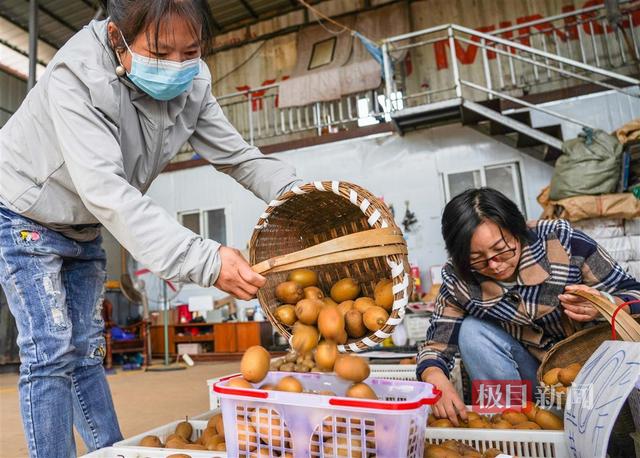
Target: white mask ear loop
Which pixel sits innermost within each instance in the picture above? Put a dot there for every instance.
(120, 70)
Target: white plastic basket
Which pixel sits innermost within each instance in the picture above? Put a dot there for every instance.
(148, 452)
(298, 423)
(132, 444)
(417, 325)
(521, 443)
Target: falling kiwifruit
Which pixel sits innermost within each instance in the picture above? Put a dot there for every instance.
(151, 441)
(307, 310)
(286, 314)
(184, 430)
(351, 367)
(313, 292)
(375, 318)
(305, 338)
(289, 383)
(304, 277)
(354, 324)
(289, 292)
(345, 290)
(383, 294)
(361, 390)
(551, 376)
(255, 364)
(330, 322)
(326, 355)
(548, 420)
(239, 383)
(567, 375)
(362, 304)
(266, 431)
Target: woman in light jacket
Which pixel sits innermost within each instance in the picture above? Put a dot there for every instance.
(114, 106)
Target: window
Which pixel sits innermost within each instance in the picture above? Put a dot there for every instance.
(503, 177)
(210, 224)
(322, 53)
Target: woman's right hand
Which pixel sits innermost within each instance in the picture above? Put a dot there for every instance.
(236, 276)
(450, 404)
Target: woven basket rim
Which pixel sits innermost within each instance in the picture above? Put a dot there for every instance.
(378, 215)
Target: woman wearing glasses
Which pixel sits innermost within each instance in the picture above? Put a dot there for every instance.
(506, 296)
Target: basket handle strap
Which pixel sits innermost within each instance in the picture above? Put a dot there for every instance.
(626, 326)
(359, 245)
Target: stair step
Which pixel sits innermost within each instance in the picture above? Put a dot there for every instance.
(525, 141)
(471, 117)
(499, 129)
(552, 155)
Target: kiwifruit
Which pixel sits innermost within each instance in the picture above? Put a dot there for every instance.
(342, 338)
(175, 442)
(151, 441)
(375, 318)
(328, 301)
(345, 306)
(221, 447)
(501, 424)
(383, 294)
(184, 430)
(212, 442)
(326, 355)
(338, 447)
(239, 383)
(361, 390)
(468, 451)
(207, 434)
(351, 367)
(345, 290)
(548, 420)
(247, 437)
(290, 384)
(255, 364)
(530, 410)
(431, 418)
(301, 368)
(527, 425)
(471, 415)
(514, 417)
(442, 423)
(268, 387)
(304, 277)
(313, 292)
(178, 455)
(289, 292)
(567, 375)
(286, 314)
(561, 389)
(326, 393)
(479, 423)
(194, 447)
(438, 451)
(219, 424)
(307, 310)
(354, 324)
(260, 419)
(330, 322)
(362, 304)
(287, 367)
(261, 453)
(304, 339)
(491, 453)
(551, 376)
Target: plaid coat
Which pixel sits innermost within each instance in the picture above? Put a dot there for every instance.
(556, 255)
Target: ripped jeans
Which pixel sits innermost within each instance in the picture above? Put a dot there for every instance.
(54, 286)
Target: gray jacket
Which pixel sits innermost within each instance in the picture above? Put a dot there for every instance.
(85, 145)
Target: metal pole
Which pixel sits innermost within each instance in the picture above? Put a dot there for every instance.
(454, 62)
(485, 65)
(249, 104)
(33, 42)
(165, 309)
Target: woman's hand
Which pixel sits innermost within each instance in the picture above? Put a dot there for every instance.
(576, 307)
(236, 276)
(450, 404)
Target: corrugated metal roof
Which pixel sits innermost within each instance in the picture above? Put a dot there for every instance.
(58, 20)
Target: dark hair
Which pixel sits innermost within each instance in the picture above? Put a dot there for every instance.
(134, 16)
(465, 212)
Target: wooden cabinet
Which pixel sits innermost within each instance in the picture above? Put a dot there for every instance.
(216, 337)
(237, 337)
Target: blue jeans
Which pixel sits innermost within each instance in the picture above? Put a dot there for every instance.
(54, 286)
(490, 353)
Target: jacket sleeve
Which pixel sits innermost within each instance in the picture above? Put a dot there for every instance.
(600, 271)
(217, 141)
(92, 154)
(441, 343)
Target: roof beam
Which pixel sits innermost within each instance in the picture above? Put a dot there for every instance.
(56, 18)
(249, 9)
(24, 27)
(19, 51)
(216, 24)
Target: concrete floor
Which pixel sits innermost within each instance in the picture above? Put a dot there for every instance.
(143, 400)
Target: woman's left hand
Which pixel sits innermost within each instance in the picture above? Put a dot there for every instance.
(576, 307)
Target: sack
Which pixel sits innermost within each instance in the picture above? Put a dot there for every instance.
(578, 208)
(590, 164)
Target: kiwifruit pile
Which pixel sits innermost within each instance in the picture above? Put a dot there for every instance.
(529, 417)
(338, 316)
(456, 449)
(561, 378)
(212, 438)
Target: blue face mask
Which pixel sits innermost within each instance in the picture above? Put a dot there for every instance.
(162, 79)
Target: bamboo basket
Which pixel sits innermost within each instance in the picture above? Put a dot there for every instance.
(338, 230)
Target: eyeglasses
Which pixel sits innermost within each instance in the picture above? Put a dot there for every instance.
(500, 257)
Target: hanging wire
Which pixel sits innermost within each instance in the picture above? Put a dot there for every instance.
(319, 14)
